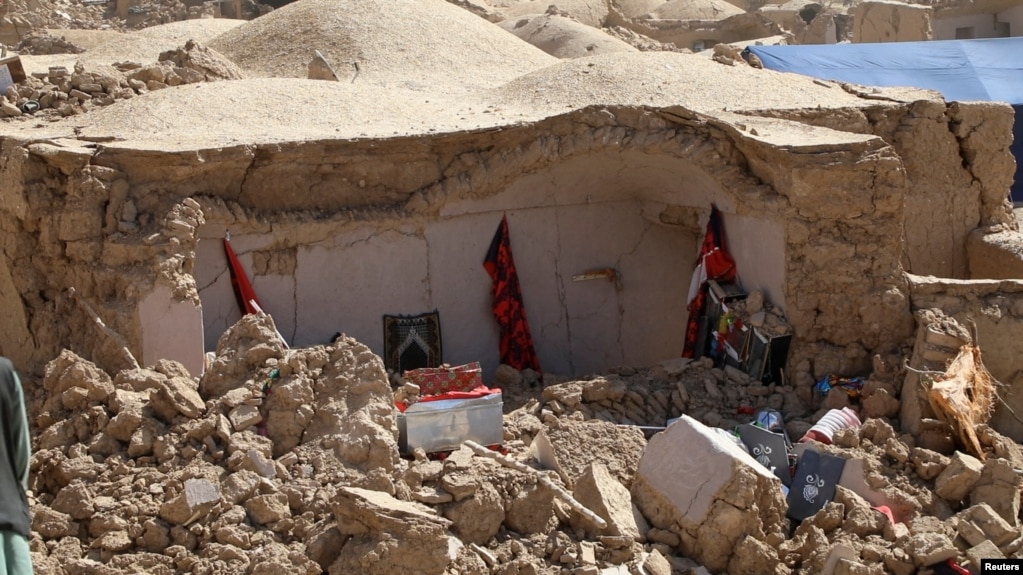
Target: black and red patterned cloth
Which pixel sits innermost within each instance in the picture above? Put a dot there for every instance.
(713, 263)
(516, 342)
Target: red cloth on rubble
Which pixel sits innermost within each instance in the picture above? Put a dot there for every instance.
(437, 380)
(713, 263)
(516, 342)
(481, 391)
(243, 291)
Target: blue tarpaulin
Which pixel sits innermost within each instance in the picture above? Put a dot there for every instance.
(961, 70)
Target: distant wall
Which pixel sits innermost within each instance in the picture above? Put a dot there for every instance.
(892, 22)
(969, 26)
(1014, 16)
(703, 34)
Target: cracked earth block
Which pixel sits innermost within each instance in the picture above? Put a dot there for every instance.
(695, 482)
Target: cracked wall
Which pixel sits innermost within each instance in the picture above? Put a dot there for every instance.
(575, 217)
(335, 234)
(993, 310)
(891, 22)
(958, 170)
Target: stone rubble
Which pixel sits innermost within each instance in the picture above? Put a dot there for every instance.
(279, 460)
(23, 19)
(60, 93)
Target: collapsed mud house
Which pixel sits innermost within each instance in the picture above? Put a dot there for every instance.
(364, 212)
(854, 210)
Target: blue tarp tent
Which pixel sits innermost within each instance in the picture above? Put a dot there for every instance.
(961, 70)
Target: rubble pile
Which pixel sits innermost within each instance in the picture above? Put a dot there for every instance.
(641, 42)
(20, 18)
(756, 311)
(60, 93)
(24, 19)
(280, 460)
(153, 13)
(651, 396)
(152, 468)
(41, 43)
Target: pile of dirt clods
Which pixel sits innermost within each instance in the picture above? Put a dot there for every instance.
(287, 461)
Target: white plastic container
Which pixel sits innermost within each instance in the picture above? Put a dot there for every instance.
(444, 424)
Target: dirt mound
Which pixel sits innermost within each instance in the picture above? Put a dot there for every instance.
(589, 12)
(563, 37)
(256, 110)
(129, 48)
(286, 460)
(637, 8)
(202, 30)
(429, 45)
(87, 39)
(663, 78)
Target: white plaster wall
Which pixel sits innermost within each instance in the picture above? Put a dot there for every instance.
(213, 280)
(983, 26)
(585, 214)
(348, 283)
(171, 329)
(758, 247)
(1014, 16)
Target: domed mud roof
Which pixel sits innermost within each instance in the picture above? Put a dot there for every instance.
(589, 12)
(260, 110)
(426, 45)
(564, 37)
(695, 10)
(664, 79)
(637, 8)
(202, 30)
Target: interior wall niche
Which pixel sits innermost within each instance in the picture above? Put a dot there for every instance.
(347, 282)
(638, 216)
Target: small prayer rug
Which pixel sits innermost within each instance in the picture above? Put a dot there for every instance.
(412, 341)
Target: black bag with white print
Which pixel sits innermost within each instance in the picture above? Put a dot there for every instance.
(814, 483)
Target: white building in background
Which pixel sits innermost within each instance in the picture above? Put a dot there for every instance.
(978, 19)
(893, 21)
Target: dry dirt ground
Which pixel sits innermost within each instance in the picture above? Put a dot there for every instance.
(287, 461)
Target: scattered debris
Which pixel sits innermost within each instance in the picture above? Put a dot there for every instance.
(60, 94)
(289, 458)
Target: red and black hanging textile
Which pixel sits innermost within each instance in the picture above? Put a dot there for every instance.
(713, 263)
(242, 288)
(516, 342)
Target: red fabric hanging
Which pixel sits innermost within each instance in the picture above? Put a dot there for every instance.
(242, 288)
(516, 342)
(713, 263)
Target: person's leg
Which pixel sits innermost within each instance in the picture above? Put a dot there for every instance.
(17, 559)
